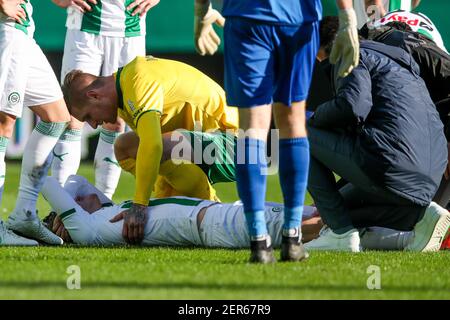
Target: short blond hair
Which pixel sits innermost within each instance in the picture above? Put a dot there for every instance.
(67, 88)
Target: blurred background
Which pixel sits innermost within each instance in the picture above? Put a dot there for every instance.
(169, 35)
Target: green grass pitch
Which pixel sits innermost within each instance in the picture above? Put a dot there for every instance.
(177, 273)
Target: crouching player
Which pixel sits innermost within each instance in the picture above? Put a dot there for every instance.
(191, 162)
(153, 96)
(83, 215)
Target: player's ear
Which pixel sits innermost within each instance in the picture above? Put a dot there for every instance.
(93, 94)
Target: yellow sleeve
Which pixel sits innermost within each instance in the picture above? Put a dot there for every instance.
(148, 156)
(141, 95)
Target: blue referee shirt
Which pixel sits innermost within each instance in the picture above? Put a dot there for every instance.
(282, 12)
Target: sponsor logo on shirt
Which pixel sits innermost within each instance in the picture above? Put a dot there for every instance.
(414, 22)
(131, 105)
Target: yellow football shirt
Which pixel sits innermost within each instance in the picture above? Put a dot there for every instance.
(182, 95)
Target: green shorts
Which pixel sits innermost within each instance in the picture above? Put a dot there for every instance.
(217, 154)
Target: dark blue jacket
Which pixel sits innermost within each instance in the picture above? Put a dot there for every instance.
(399, 137)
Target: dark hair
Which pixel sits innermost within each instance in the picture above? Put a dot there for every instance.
(398, 25)
(328, 29)
(49, 219)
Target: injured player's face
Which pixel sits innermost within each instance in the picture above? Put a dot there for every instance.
(90, 202)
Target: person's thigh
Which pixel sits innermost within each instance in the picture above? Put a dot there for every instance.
(249, 63)
(294, 63)
(43, 93)
(14, 68)
(117, 52)
(402, 218)
(224, 226)
(129, 48)
(338, 152)
(357, 197)
(82, 51)
(213, 153)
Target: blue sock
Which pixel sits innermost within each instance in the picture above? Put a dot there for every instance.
(251, 183)
(294, 165)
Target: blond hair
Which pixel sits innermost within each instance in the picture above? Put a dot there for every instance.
(67, 88)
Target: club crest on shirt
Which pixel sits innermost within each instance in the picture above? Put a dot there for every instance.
(14, 98)
(131, 105)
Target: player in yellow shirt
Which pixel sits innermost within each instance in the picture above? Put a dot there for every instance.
(153, 96)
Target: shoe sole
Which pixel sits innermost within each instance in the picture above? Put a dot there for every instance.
(32, 244)
(20, 232)
(285, 256)
(433, 243)
(290, 259)
(348, 249)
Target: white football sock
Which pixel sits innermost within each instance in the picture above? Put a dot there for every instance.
(3, 145)
(35, 164)
(66, 155)
(377, 238)
(107, 169)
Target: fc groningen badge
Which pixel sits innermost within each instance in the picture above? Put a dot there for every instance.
(14, 98)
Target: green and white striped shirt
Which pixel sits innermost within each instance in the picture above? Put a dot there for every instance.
(27, 25)
(107, 18)
(418, 22)
(363, 13)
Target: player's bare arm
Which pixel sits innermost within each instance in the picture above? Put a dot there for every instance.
(82, 5)
(12, 9)
(141, 7)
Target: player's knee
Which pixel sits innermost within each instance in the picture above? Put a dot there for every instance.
(7, 122)
(126, 146)
(75, 124)
(55, 111)
(290, 120)
(119, 126)
(176, 146)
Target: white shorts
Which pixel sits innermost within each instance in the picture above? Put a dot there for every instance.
(225, 225)
(26, 77)
(98, 55)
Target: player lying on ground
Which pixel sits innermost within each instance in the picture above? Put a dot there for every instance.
(83, 215)
(153, 96)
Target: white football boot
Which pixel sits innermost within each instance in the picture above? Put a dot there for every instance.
(430, 231)
(9, 238)
(328, 240)
(31, 226)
